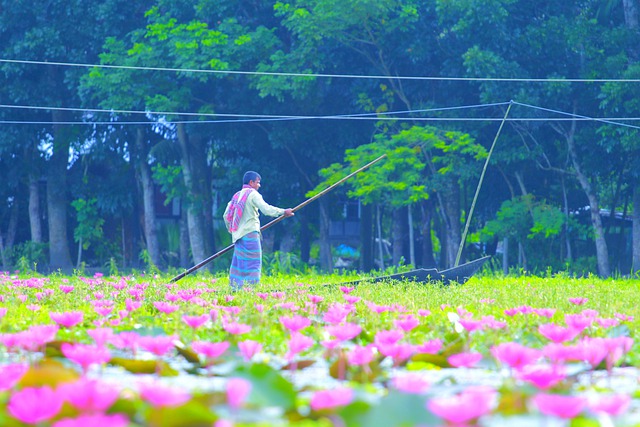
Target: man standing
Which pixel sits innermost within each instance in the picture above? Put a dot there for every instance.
(243, 222)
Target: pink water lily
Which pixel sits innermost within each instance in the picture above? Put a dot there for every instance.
(249, 348)
(89, 395)
(10, 374)
(68, 319)
(33, 405)
(158, 345)
(430, 347)
(542, 376)
(86, 355)
(330, 399)
(610, 404)
(562, 406)
(159, 395)
(360, 355)
(295, 323)
(210, 350)
(410, 383)
(344, 332)
(195, 321)
(297, 344)
(94, 420)
(467, 406)
(558, 333)
(515, 355)
(236, 328)
(238, 390)
(464, 360)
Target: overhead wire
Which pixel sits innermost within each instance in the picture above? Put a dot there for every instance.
(325, 75)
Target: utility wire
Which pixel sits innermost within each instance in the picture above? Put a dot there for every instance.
(247, 118)
(346, 76)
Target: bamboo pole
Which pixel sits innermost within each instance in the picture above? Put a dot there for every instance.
(277, 220)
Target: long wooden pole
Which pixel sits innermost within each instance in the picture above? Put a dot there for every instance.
(277, 220)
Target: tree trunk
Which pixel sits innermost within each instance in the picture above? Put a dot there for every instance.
(146, 181)
(184, 239)
(602, 251)
(366, 238)
(379, 231)
(636, 228)
(35, 223)
(565, 227)
(398, 236)
(452, 212)
(59, 253)
(505, 256)
(326, 259)
(195, 218)
(428, 259)
(412, 249)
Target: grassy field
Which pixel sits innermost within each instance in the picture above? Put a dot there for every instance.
(137, 351)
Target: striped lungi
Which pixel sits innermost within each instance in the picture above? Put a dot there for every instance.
(246, 264)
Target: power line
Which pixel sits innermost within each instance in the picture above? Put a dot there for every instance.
(386, 116)
(345, 76)
(261, 116)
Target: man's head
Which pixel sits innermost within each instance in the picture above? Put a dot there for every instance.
(251, 178)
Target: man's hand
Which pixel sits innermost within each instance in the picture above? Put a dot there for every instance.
(288, 212)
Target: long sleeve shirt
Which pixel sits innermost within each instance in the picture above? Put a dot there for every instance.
(250, 220)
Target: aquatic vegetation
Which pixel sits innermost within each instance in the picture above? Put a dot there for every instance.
(141, 351)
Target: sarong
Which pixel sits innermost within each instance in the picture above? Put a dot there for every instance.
(246, 265)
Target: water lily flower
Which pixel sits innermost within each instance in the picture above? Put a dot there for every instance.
(472, 403)
(236, 328)
(610, 404)
(85, 355)
(410, 383)
(249, 348)
(344, 332)
(542, 376)
(10, 374)
(158, 345)
(165, 307)
(545, 312)
(406, 323)
(94, 420)
(336, 313)
(101, 336)
(578, 321)
(515, 355)
(68, 319)
(558, 405)
(238, 390)
(33, 405)
(295, 323)
(298, 343)
(360, 355)
(210, 350)
(330, 399)
(160, 395)
(430, 347)
(466, 360)
(385, 337)
(558, 333)
(195, 321)
(89, 395)
(315, 298)
(559, 353)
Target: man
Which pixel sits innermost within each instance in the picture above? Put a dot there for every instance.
(243, 222)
